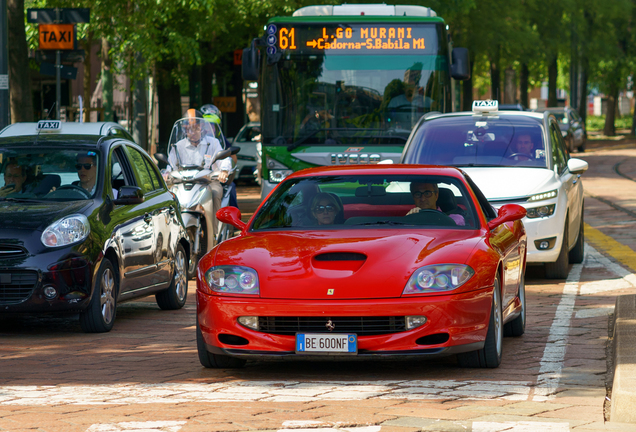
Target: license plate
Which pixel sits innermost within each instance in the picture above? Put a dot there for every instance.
(321, 343)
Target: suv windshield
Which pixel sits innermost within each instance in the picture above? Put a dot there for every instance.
(369, 201)
(48, 173)
(479, 141)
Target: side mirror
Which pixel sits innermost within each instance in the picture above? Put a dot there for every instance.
(161, 158)
(128, 195)
(222, 154)
(232, 216)
(577, 166)
(460, 69)
(507, 213)
(235, 149)
(249, 66)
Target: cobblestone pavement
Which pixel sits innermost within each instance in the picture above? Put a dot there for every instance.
(145, 375)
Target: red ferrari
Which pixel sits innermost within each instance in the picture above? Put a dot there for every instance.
(374, 260)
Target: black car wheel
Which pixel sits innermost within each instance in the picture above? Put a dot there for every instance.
(213, 361)
(490, 355)
(99, 317)
(517, 326)
(577, 254)
(175, 297)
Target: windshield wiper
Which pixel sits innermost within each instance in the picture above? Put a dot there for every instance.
(384, 222)
(305, 138)
(14, 199)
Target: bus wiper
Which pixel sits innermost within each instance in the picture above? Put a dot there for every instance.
(305, 138)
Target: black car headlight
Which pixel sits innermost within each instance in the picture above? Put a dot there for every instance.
(438, 278)
(66, 231)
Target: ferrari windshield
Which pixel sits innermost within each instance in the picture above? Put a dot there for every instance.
(352, 83)
(379, 201)
(467, 141)
(55, 173)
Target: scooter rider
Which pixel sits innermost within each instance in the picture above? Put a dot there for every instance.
(198, 148)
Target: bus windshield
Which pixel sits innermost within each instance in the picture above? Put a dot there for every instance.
(352, 84)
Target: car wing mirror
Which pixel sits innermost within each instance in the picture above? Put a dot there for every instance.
(232, 216)
(577, 166)
(507, 213)
(128, 195)
(460, 68)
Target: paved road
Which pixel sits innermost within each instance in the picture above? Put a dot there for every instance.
(145, 375)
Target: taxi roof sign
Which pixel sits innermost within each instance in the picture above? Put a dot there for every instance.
(485, 106)
(49, 125)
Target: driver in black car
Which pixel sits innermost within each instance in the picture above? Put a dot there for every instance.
(425, 196)
(86, 167)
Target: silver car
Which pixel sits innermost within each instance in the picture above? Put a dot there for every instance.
(248, 139)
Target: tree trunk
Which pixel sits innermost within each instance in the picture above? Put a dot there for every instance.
(552, 82)
(169, 98)
(195, 87)
(524, 74)
(107, 82)
(467, 90)
(207, 75)
(20, 92)
(87, 46)
(583, 89)
(612, 101)
(510, 86)
(495, 79)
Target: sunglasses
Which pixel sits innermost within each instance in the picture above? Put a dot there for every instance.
(426, 194)
(324, 208)
(85, 166)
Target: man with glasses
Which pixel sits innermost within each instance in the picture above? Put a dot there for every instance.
(86, 167)
(425, 196)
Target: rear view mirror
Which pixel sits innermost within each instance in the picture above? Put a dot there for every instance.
(160, 157)
(249, 66)
(460, 70)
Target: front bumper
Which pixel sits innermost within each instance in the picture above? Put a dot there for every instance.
(460, 320)
(23, 281)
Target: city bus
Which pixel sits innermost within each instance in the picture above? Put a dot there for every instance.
(346, 84)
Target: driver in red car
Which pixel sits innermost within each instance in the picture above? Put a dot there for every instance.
(425, 196)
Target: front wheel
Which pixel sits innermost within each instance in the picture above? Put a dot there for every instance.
(196, 254)
(175, 296)
(490, 355)
(559, 268)
(577, 254)
(99, 317)
(517, 326)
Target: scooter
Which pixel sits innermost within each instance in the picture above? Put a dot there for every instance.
(190, 183)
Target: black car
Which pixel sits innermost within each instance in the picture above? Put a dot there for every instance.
(87, 223)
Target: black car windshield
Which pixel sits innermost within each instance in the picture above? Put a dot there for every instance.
(56, 173)
(368, 202)
(466, 141)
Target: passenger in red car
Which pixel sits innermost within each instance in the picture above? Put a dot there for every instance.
(325, 209)
(425, 196)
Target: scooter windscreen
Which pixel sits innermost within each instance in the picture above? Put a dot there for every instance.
(191, 131)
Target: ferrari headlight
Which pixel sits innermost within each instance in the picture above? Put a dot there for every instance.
(543, 196)
(233, 280)
(438, 278)
(66, 231)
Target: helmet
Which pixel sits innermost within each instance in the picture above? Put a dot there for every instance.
(211, 113)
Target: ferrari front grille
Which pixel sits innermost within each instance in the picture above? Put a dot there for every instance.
(364, 326)
(16, 287)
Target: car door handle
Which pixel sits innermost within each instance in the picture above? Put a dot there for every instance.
(147, 218)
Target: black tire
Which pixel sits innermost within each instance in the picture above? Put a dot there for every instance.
(560, 268)
(577, 254)
(175, 296)
(99, 317)
(517, 326)
(195, 255)
(215, 361)
(490, 355)
(581, 147)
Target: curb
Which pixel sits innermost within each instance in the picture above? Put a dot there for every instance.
(624, 351)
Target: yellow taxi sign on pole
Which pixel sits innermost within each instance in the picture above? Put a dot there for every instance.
(57, 36)
(225, 104)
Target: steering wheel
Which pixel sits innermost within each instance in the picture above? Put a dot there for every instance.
(524, 155)
(75, 188)
(430, 217)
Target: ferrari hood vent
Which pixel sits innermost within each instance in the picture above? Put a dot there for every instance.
(341, 256)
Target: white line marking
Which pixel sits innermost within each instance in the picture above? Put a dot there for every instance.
(149, 426)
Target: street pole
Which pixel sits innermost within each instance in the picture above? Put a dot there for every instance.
(4, 65)
(58, 72)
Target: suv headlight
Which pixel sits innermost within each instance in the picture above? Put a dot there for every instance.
(66, 231)
(438, 278)
(277, 171)
(233, 280)
(543, 196)
(543, 211)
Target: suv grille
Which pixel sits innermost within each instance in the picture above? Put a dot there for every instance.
(10, 251)
(366, 326)
(16, 287)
